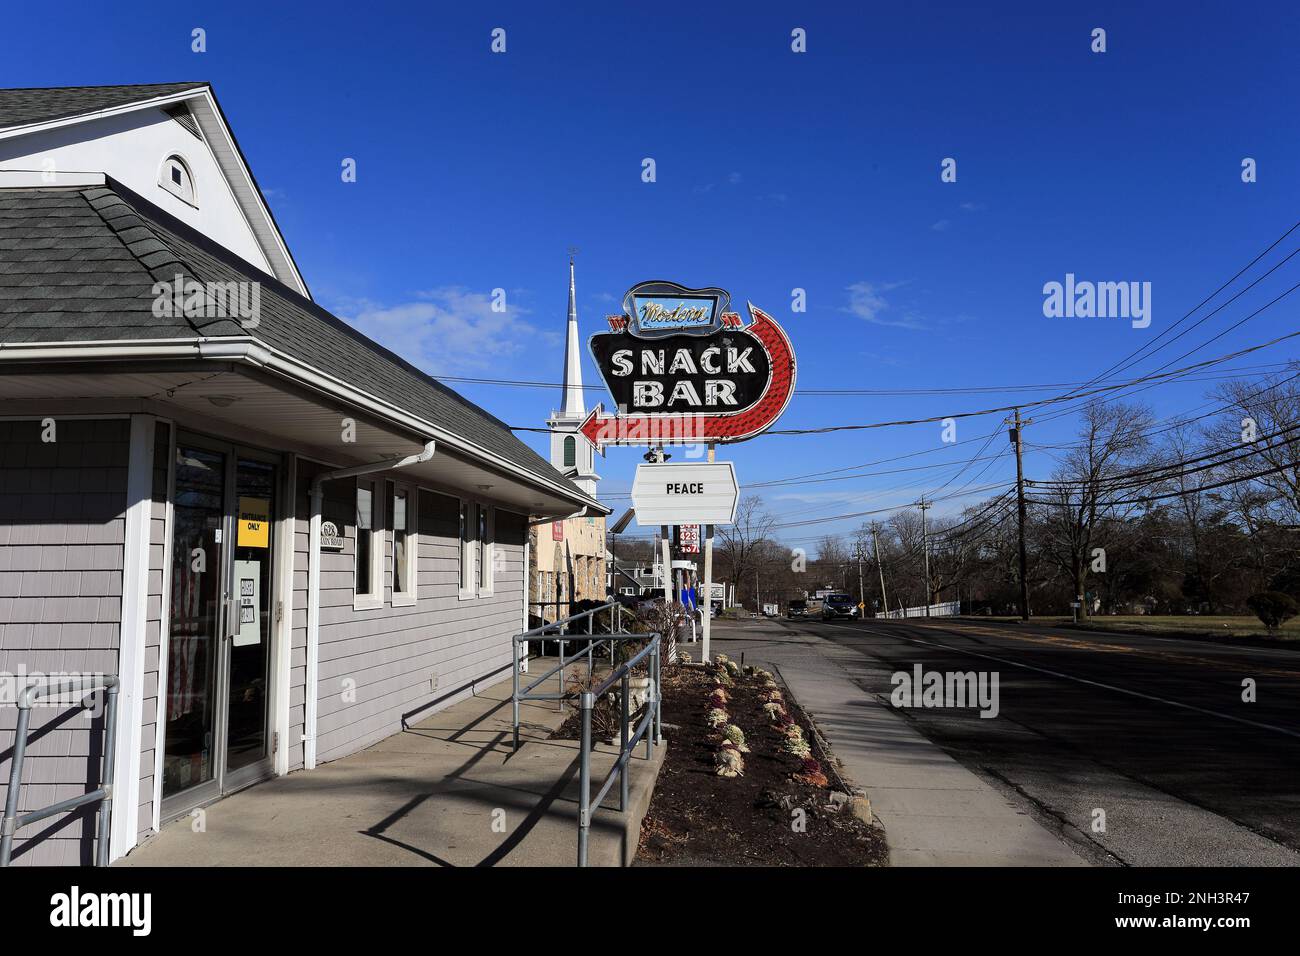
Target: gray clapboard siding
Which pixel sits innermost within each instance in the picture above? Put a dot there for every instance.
(62, 524)
(155, 624)
(388, 655)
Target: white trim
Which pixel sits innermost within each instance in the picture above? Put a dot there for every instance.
(133, 633)
(312, 670)
(253, 352)
(54, 179)
(375, 599)
(164, 628)
(286, 529)
(255, 193)
(466, 531)
(41, 126)
(188, 169)
(487, 521)
(409, 597)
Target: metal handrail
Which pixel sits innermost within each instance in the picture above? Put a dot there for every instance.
(650, 727)
(12, 822)
(562, 637)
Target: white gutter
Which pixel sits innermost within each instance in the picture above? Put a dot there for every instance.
(249, 350)
(576, 514)
(313, 583)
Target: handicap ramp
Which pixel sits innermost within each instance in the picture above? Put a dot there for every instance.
(445, 792)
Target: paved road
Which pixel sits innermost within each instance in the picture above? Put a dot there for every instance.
(1152, 731)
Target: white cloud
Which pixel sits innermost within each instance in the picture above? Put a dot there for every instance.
(942, 225)
(867, 303)
(448, 330)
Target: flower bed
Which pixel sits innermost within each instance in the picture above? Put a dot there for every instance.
(745, 781)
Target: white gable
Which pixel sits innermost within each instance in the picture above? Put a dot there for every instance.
(132, 148)
(137, 146)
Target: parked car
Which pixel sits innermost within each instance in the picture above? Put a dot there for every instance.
(838, 606)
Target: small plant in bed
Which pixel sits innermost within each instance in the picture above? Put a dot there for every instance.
(715, 804)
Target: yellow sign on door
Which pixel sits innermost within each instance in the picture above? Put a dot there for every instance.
(254, 523)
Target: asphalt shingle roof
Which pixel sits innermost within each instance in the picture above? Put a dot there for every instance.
(79, 264)
(39, 104)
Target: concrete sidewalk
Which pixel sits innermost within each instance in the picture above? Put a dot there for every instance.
(935, 812)
(429, 795)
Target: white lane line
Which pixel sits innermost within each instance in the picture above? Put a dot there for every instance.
(1084, 680)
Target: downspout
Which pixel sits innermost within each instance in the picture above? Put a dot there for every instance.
(317, 495)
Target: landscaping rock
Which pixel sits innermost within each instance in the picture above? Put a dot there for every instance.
(862, 808)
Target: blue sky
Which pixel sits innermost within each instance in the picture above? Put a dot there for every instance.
(775, 170)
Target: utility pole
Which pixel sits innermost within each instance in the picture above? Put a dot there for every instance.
(862, 591)
(875, 539)
(1020, 511)
(925, 546)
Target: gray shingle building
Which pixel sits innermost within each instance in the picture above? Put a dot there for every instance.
(285, 540)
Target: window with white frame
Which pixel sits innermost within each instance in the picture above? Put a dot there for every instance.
(466, 538)
(477, 528)
(368, 569)
(405, 544)
(175, 177)
(486, 532)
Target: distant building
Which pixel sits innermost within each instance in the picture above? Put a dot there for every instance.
(567, 557)
(633, 578)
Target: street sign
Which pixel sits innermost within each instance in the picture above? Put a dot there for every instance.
(683, 370)
(685, 493)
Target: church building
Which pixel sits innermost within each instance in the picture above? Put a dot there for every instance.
(568, 556)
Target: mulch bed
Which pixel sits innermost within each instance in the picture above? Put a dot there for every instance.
(698, 818)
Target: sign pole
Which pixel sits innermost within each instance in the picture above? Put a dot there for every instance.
(667, 564)
(708, 588)
(708, 581)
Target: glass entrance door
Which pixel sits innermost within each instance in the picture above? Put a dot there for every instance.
(217, 701)
(248, 656)
(197, 610)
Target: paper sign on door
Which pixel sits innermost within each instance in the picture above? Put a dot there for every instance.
(248, 603)
(254, 523)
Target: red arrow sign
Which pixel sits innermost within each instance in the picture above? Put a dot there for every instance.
(691, 428)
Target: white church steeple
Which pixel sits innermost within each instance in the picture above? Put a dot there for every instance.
(573, 405)
(571, 453)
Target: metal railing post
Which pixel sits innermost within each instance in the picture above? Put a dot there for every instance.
(622, 750)
(584, 780)
(650, 702)
(559, 704)
(110, 775)
(10, 822)
(591, 653)
(659, 691)
(514, 696)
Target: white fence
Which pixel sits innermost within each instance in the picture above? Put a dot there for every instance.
(947, 609)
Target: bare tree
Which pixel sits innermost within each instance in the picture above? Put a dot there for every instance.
(1113, 438)
(741, 544)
